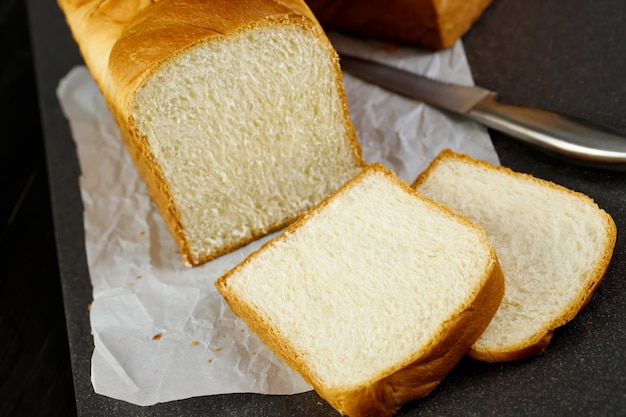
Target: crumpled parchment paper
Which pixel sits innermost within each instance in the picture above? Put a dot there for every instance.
(161, 331)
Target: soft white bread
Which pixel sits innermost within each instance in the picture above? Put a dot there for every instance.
(372, 296)
(233, 111)
(554, 246)
(433, 24)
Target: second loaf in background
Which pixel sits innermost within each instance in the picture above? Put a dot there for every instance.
(233, 112)
(435, 24)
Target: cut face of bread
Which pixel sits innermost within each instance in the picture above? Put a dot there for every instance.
(554, 246)
(234, 112)
(247, 132)
(372, 296)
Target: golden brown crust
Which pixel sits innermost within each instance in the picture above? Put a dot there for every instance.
(541, 339)
(435, 24)
(517, 354)
(420, 374)
(124, 41)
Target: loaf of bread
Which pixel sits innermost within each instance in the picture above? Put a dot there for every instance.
(367, 296)
(233, 112)
(435, 24)
(554, 246)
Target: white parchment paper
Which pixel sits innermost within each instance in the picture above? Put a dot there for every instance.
(161, 331)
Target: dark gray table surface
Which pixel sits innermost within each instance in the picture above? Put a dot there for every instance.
(567, 56)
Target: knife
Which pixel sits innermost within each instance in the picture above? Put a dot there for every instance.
(576, 140)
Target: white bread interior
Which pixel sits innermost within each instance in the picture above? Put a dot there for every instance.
(372, 296)
(554, 246)
(277, 147)
(234, 112)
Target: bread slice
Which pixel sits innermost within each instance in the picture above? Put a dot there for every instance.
(554, 246)
(435, 24)
(372, 296)
(233, 111)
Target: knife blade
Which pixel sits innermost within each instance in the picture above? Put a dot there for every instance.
(576, 140)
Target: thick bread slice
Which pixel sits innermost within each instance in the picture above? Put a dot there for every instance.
(554, 245)
(372, 296)
(434, 24)
(233, 111)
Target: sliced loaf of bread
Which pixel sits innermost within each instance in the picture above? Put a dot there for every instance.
(554, 246)
(234, 112)
(372, 296)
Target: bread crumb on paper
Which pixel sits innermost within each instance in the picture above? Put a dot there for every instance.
(391, 48)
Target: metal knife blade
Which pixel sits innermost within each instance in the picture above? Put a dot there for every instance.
(455, 98)
(563, 136)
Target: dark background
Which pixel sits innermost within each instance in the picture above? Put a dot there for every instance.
(35, 372)
(567, 56)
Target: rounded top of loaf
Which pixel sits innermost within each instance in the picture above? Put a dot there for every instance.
(124, 41)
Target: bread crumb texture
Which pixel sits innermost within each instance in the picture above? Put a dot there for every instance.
(553, 244)
(363, 284)
(248, 132)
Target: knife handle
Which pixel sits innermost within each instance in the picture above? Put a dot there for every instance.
(556, 134)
